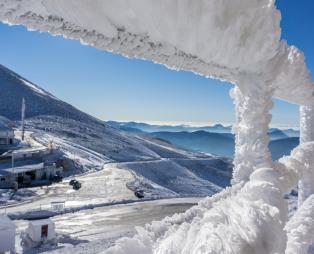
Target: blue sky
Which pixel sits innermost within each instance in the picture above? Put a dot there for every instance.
(116, 88)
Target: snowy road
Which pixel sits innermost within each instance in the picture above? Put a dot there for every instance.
(92, 231)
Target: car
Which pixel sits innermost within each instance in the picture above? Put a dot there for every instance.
(72, 182)
(139, 193)
(77, 185)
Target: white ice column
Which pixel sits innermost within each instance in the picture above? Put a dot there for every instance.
(253, 103)
(306, 184)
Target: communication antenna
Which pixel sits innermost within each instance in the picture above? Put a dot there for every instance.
(23, 117)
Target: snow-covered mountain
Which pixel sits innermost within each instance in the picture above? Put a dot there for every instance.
(216, 139)
(13, 88)
(91, 143)
(129, 126)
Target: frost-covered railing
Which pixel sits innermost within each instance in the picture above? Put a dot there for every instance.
(238, 41)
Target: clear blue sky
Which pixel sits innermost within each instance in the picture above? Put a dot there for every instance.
(113, 87)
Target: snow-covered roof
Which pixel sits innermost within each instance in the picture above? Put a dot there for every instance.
(221, 39)
(39, 223)
(30, 150)
(20, 167)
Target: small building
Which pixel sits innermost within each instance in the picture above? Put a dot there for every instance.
(39, 232)
(7, 235)
(26, 173)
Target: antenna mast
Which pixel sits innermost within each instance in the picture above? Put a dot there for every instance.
(23, 117)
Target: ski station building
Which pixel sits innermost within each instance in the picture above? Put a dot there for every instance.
(27, 167)
(21, 165)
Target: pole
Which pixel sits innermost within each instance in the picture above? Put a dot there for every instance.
(23, 117)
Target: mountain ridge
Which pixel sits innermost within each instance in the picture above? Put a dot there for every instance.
(13, 88)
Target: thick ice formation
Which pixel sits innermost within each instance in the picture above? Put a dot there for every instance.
(253, 116)
(224, 39)
(306, 186)
(238, 41)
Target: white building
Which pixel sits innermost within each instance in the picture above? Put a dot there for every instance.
(7, 235)
(26, 167)
(27, 173)
(39, 232)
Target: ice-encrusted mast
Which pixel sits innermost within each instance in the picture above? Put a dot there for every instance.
(238, 41)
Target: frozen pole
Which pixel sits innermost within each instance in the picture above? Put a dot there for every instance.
(306, 184)
(23, 117)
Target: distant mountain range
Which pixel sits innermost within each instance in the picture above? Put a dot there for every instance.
(217, 128)
(216, 139)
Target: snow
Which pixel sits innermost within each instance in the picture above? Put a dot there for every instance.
(307, 135)
(238, 41)
(92, 231)
(253, 105)
(301, 228)
(246, 220)
(35, 88)
(174, 177)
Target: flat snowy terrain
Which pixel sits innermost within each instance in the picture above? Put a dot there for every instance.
(93, 231)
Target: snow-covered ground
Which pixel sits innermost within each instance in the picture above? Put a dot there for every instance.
(103, 186)
(164, 172)
(108, 186)
(92, 231)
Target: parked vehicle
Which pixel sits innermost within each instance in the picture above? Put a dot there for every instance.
(77, 185)
(72, 182)
(139, 193)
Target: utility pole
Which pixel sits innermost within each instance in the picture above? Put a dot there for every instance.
(23, 117)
